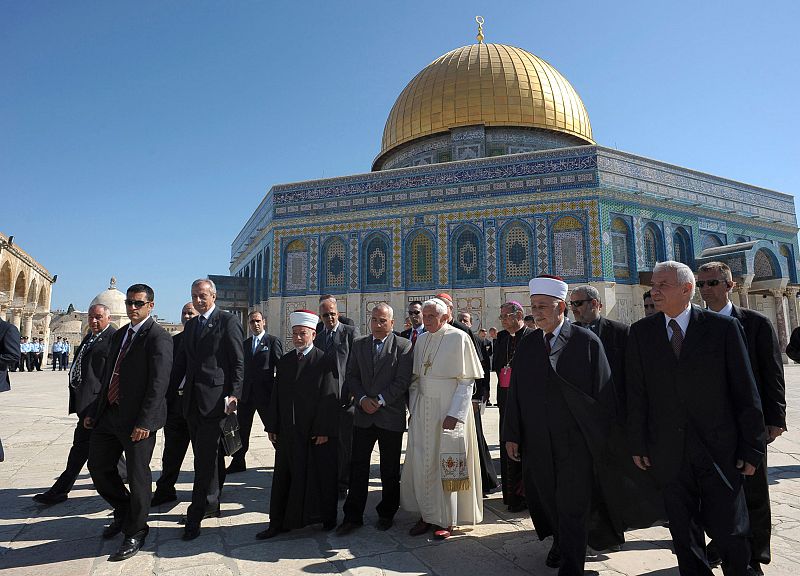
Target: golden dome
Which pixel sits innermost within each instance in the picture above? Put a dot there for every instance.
(489, 84)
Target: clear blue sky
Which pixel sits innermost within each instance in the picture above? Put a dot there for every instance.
(136, 138)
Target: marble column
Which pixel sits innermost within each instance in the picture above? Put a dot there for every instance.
(743, 288)
(17, 318)
(791, 297)
(780, 320)
(27, 326)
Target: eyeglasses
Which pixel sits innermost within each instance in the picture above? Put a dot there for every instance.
(709, 283)
(509, 315)
(579, 303)
(136, 303)
(330, 315)
(415, 312)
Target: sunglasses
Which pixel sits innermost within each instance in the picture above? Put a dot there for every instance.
(136, 303)
(508, 315)
(415, 312)
(579, 303)
(709, 283)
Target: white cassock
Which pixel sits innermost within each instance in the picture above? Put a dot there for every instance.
(445, 369)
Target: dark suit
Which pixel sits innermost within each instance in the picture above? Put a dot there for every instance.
(9, 353)
(83, 402)
(614, 336)
(259, 373)
(9, 358)
(408, 336)
(176, 430)
(505, 348)
(143, 380)
(212, 361)
(694, 416)
(767, 364)
(304, 405)
(337, 350)
(369, 374)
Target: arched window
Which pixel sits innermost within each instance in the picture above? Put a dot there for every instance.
(296, 267)
(376, 262)
(619, 243)
(466, 255)
(334, 269)
(568, 247)
(764, 266)
(682, 247)
(419, 259)
(517, 255)
(711, 241)
(788, 253)
(653, 245)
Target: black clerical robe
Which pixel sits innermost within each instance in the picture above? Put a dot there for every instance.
(577, 366)
(304, 405)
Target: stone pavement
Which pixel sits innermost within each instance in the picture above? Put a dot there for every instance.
(65, 539)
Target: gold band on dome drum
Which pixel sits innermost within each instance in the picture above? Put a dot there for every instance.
(479, 20)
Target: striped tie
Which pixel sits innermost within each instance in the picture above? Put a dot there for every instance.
(113, 387)
(677, 338)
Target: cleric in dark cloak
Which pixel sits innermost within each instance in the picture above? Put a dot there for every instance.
(560, 410)
(303, 424)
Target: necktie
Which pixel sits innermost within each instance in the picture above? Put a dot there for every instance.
(413, 337)
(328, 338)
(201, 322)
(377, 350)
(75, 376)
(677, 338)
(547, 338)
(256, 342)
(300, 355)
(113, 387)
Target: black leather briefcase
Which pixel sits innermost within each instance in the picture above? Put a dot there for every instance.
(231, 440)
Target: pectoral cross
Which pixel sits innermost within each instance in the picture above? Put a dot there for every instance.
(427, 365)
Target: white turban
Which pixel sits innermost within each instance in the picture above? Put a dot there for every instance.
(304, 318)
(550, 287)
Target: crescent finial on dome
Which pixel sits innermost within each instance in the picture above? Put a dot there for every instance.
(113, 285)
(479, 20)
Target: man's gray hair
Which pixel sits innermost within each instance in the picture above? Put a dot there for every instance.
(462, 315)
(590, 291)
(385, 306)
(209, 281)
(683, 273)
(103, 307)
(441, 307)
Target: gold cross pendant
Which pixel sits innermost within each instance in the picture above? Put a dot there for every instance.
(427, 365)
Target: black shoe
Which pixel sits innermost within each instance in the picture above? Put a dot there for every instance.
(129, 547)
(553, 559)
(50, 498)
(210, 513)
(160, 498)
(112, 529)
(712, 555)
(270, 532)
(383, 524)
(236, 466)
(755, 569)
(191, 532)
(346, 527)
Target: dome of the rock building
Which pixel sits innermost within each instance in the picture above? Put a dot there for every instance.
(493, 85)
(113, 299)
